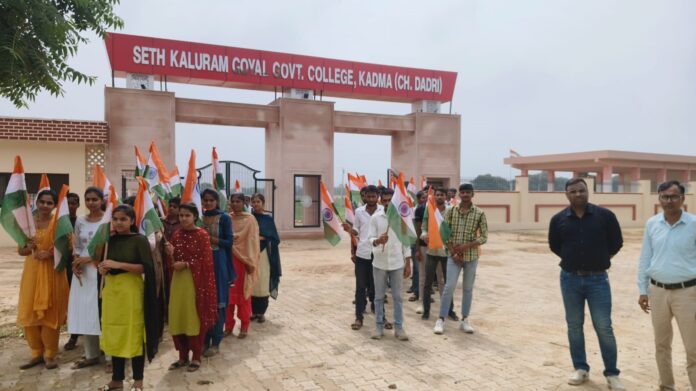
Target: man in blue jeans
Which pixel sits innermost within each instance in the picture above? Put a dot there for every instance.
(469, 230)
(586, 236)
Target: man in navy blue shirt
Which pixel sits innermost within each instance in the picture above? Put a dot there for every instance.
(585, 236)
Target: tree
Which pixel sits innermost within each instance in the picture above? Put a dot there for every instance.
(490, 182)
(36, 39)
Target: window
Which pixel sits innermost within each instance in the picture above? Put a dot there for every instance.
(306, 210)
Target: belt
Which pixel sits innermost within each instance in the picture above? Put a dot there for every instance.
(587, 272)
(678, 285)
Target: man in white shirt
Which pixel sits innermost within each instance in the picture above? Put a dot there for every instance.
(363, 253)
(390, 261)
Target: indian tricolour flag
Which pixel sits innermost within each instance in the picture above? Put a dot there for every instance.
(354, 186)
(140, 163)
(332, 226)
(60, 230)
(146, 218)
(192, 192)
(44, 184)
(15, 216)
(156, 174)
(438, 229)
(175, 182)
(219, 181)
(101, 235)
(350, 214)
(412, 191)
(100, 181)
(237, 186)
(400, 214)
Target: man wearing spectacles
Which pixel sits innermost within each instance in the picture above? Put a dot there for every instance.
(667, 280)
(586, 236)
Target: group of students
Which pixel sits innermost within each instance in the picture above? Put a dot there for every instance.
(195, 275)
(381, 261)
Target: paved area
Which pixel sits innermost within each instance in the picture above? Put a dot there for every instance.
(307, 344)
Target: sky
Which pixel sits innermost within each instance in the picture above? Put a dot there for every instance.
(536, 76)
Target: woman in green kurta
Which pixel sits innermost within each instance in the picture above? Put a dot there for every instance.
(128, 323)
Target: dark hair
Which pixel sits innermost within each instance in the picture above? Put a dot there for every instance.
(129, 201)
(370, 189)
(574, 181)
(50, 193)
(666, 185)
(452, 189)
(128, 211)
(239, 196)
(420, 194)
(259, 196)
(94, 190)
(74, 196)
(175, 201)
(440, 190)
(466, 186)
(191, 208)
(211, 193)
(386, 191)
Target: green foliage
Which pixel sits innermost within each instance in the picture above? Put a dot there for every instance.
(36, 39)
(490, 182)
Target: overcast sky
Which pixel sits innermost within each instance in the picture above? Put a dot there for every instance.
(537, 76)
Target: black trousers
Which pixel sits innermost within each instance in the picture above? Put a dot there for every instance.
(431, 263)
(119, 367)
(364, 285)
(259, 305)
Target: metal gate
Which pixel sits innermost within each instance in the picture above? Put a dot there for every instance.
(248, 181)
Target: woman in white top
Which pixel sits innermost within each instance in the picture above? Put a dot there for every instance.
(83, 305)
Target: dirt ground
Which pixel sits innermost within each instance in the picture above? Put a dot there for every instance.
(520, 341)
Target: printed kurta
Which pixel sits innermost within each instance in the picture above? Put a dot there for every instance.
(83, 305)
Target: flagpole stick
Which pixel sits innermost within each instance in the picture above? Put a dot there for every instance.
(101, 285)
(386, 232)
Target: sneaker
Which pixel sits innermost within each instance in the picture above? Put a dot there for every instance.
(465, 326)
(439, 326)
(211, 351)
(377, 334)
(578, 377)
(419, 309)
(400, 334)
(615, 384)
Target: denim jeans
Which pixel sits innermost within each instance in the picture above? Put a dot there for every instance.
(396, 278)
(414, 272)
(596, 291)
(431, 264)
(468, 270)
(364, 285)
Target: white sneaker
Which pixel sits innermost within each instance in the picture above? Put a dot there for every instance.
(615, 384)
(578, 377)
(419, 309)
(465, 326)
(439, 326)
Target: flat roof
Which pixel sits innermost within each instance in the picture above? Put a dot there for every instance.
(596, 160)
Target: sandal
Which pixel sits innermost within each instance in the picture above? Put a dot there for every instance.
(32, 363)
(109, 368)
(388, 325)
(227, 333)
(193, 367)
(84, 363)
(357, 325)
(242, 335)
(178, 364)
(413, 298)
(107, 387)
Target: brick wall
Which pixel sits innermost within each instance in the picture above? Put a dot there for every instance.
(89, 132)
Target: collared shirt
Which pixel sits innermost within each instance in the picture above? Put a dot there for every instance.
(424, 231)
(586, 243)
(362, 226)
(668, 254)
(391, 255)
(467, 227)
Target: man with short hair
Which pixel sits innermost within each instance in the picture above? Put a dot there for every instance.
(391, 262)
(435, 258)
(667, 280)
(171, 222)
(469, 230)
(586, 236)
(451, 194)
(363, 254)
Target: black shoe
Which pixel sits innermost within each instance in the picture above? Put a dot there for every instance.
(453, 316)
(70, 345)
(425, 316)
(410, 290)
(261, 318)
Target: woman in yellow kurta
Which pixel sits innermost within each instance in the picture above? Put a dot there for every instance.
(43, 292)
